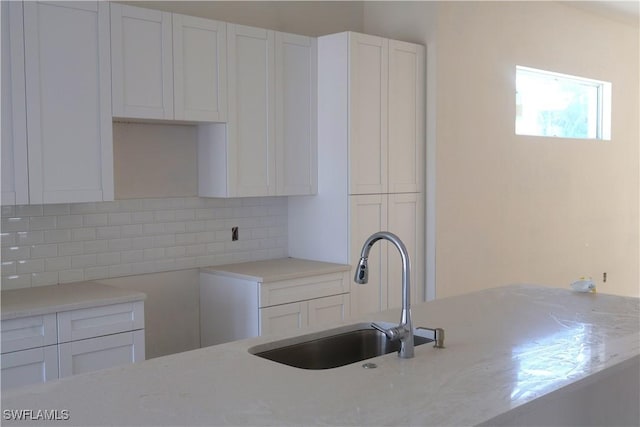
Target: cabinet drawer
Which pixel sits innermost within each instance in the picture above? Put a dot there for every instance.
(94, 322)
(92, 354)
(34, 366)
(304, 288)
(28, 332)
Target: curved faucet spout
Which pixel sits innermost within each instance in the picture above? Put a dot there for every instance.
(405, 329)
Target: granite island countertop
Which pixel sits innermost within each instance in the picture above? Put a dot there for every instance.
(506, 349)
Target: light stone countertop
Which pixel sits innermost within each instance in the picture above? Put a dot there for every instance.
(64, 297)
(505, 348)
(274, 270)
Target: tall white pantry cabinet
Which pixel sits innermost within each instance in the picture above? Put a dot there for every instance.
(371, 139)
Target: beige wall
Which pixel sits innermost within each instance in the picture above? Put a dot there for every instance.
(311, 18)
(522, 209)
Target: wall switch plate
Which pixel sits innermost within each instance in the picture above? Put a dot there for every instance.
(234, 234)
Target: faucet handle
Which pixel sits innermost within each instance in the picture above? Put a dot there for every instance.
(392, 334)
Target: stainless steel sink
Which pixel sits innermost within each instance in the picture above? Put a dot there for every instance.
(334, 348)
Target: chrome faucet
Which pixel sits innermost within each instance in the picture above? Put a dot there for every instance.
(404, 331)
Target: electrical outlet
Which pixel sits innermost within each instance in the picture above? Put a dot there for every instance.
(234, 234)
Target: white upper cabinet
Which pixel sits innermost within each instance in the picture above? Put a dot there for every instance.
(296, 110)
(15, 180)
(251, 62)
(406, 117)
(387, 115)
(167, 66)
(268, 146)
(142, 62)
(368, 82)
(68, 101)
(199, 69)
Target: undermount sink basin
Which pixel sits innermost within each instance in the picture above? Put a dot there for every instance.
(336, 347)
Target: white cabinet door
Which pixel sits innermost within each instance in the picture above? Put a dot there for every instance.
(283, 318)
(200, 69)
(88, 355)
(368, 110)
(406, 117)
(15, 180)
(34, 366)
(368, 216)
(68, 90)
(142, 62)
(28, 332)
(406, 220)
(251, 148)
(328, 310)
(296, 117)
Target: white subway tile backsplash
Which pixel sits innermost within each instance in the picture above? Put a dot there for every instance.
(15, 224)
(58, 263)
(28, 210)
(44, 251)
(16, 253)
(110, 232)
(157, 228)
(69, 276)
(142, 242)
(16, 281)
(8, 211)
(30, 266)
(60, 209)
(42, 222)
(142, 217)
(80, 234)
(175, 227)
(8, 239)
(44, 279)
(95, 273)
(29, 237)
(132, 230)
(109, 258)
(69, 221)
(176, 251)
(95, 220)
(70, 248)
(119, 218)
(133, 256)
(8, 267)
(82, 261)
(95, 246)
(49, 244)
(57, 236)
(119, 244)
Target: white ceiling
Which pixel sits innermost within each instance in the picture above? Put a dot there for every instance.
(625, 10)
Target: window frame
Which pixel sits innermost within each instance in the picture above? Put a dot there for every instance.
(603, 108)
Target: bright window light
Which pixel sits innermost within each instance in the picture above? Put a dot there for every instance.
(559, 105)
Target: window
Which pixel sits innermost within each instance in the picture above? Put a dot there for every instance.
(559, 105)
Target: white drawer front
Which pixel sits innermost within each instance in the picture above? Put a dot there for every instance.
(28, 332)
(95, 322)
(34, 366)
(93, 354)
(304, 288)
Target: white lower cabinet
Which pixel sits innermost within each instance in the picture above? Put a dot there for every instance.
(33, 366)
(37, 349)
(77, 357)
(298, 315)
(233, 308)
